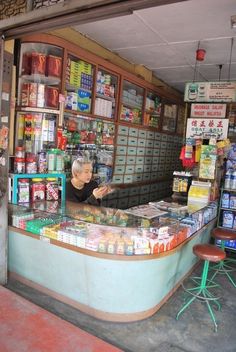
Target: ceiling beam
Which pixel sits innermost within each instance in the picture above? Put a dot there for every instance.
(72, 13)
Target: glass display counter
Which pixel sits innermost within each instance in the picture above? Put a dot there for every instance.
(108, 263)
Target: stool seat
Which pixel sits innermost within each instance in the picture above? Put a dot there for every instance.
(224, 235)
(209, 252)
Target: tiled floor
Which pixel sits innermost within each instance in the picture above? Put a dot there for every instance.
(25, 327)
(193, 332)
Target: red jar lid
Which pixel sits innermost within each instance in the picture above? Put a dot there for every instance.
(24, 180)
(19, 160)
(20, 148)
(30, 159)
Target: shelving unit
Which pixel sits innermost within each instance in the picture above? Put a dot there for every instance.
(15, 177)
(227, 214)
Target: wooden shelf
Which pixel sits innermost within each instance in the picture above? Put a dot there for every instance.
(38, 110)
(70, 87)
(231, 209)
(105, 97)
(36, 78)
(132, 106)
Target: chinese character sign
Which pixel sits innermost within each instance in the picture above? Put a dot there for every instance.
(207, 128)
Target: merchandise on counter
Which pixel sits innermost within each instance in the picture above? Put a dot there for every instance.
(54, 66)
(198, 195)
(42, 162)
(20, 152)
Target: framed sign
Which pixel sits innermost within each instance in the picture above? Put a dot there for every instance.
(210, 92)
(208, 110)
(206, 128)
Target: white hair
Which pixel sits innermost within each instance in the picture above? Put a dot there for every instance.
(78, 164)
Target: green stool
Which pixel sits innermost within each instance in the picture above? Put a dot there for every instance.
(200, 290)
(223, 266)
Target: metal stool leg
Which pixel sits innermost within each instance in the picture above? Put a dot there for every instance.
(202, 293)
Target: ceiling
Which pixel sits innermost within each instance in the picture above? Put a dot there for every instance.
(165, 38)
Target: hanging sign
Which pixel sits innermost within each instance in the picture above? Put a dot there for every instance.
(208, 110)
(206, 128)
(210, 92)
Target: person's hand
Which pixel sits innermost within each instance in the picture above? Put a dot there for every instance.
(101, 192)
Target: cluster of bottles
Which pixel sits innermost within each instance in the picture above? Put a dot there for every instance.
(230, 179)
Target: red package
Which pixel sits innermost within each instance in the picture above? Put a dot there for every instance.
(25, 94)
(33, 89)
(38, 63)
(51, 97)
(26, 64)
(54, 65)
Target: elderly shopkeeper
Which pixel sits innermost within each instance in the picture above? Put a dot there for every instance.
(81, 188)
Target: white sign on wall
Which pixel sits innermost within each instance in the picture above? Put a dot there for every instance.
(208, 110)
(206, 128)
(210, 92)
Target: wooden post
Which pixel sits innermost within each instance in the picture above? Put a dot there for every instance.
(6, 62)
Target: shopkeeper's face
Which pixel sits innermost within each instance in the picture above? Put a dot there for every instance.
(86, 173)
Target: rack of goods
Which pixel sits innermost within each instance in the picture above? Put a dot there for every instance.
(132, 103)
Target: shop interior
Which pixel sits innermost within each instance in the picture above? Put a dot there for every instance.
(156, 115)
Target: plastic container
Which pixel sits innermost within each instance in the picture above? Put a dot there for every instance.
(31, 165)
(42, 162)
(52, 155)
(37, 189)
(23, 190)
(19, 166)
(52, 189)
(233, 180)
(59, 161)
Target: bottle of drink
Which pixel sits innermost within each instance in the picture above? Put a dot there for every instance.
(227, 183)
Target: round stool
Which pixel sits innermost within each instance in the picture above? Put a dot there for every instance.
(222, 267)
(209, 253)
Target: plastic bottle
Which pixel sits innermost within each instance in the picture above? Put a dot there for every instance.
(233, 180)
(227, 183)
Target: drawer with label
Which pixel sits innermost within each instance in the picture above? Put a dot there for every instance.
(146, 177)
(133, 132)
(157, 144)
(163, 145)
(142, 134)
(122, 203)
(154, 167)
(120, 159)
(131, 150)
(117, 179)
(140, 160)
(139, 168)
(138, 177)
(141, 142)
(122, 140)
(134, 191)
(120, 150)
(155, 160)
(156, 152)
(133, 201)
(148, 160)
(144, 189)
(144, 199)
(128, 179)
(153, 175)
(150, 135)
(132, 141)
(164, 137)
(123, 192)
(129, 169)
(123, 130)
(149, 151)
(130, 160)
(119, 170)
(147, 168)
(157, 136)
(140, 151)
(150, 143)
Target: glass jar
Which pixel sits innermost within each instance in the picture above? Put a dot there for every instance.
(23, 190)
(31, 165)
(37, 189)
(19, 166)
(59, 161)
(20, 152)
(52, 189)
